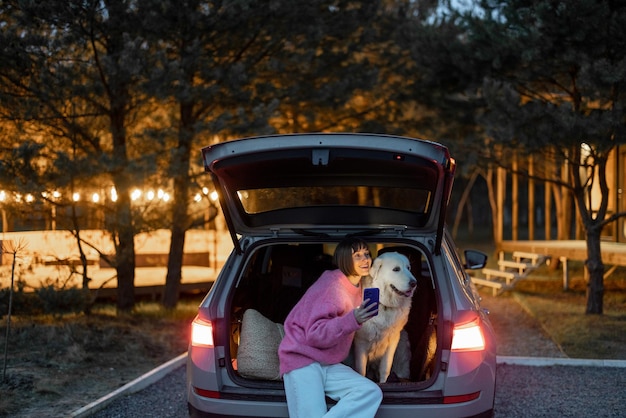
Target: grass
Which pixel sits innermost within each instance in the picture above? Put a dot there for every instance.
(562, 313)
(57, 364)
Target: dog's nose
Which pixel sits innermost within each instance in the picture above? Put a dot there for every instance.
(413, 283)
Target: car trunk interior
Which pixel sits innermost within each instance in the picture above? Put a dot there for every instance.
(277, 276)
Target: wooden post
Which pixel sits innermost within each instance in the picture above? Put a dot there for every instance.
(621, 192)
(514, 200)
(531, 198)
(548, 209)
(5, 225)
(563, 261)
(501, 193)
(566, 198)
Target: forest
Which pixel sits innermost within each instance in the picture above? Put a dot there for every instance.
(106, 96)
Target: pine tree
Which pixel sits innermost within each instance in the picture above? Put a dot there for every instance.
(248, 68)
(70, 75)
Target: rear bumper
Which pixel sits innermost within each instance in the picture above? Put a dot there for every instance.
(210, 407)
(482, 407)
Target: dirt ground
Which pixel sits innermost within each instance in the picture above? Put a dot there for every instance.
(58, 366)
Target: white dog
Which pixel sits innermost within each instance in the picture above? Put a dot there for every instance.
(376, 342)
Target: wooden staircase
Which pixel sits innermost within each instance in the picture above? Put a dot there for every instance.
(509, 272)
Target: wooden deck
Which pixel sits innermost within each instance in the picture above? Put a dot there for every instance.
(613, 253)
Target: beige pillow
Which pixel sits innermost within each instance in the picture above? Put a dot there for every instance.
(257, 356)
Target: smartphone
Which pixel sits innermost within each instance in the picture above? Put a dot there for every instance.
(373, 294)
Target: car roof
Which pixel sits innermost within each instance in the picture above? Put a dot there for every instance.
(326, 182)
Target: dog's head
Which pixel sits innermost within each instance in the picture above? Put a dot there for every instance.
(391, 273)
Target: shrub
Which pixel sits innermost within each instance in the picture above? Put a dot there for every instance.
(24, 303)
(61, 301)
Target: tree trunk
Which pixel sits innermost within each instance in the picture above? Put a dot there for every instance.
(174, 267)
(497, 239)
(171, 293)
(180, 165)
(118, 80)
(595, 268)
(125, 255)
(463, 201)
(123, 226)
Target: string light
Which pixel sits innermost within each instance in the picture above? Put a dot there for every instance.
(98, 197)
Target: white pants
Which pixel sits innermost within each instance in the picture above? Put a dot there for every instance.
(306, 388)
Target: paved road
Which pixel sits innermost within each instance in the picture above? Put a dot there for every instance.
(522, 391)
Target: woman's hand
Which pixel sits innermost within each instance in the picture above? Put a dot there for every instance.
(365, 312)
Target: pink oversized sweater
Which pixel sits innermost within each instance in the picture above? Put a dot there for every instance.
(321, 326)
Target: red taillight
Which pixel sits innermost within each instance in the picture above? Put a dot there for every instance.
(468, 337)
(201, 333)
(460, 398)
(207, 393)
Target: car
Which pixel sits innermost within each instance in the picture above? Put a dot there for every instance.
(287, 201)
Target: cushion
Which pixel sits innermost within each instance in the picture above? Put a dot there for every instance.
(257, 356)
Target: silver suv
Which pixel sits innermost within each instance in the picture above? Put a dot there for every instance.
(288, 200)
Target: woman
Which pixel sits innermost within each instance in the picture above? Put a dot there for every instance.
(318, 335)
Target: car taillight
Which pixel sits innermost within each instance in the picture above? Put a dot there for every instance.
(201, 333)
(460, 398)
(468, 337)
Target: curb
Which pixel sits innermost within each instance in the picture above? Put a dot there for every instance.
(555, 361)
(136, 385)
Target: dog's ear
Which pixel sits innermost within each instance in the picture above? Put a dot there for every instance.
(376, 264)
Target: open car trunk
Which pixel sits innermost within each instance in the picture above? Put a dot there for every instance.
(312, 182)
(275, 278)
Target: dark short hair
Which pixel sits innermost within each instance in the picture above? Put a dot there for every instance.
(344, 251)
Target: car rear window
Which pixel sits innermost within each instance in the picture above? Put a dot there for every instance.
(261, 200)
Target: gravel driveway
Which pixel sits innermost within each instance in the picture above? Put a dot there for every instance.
(522, 391)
